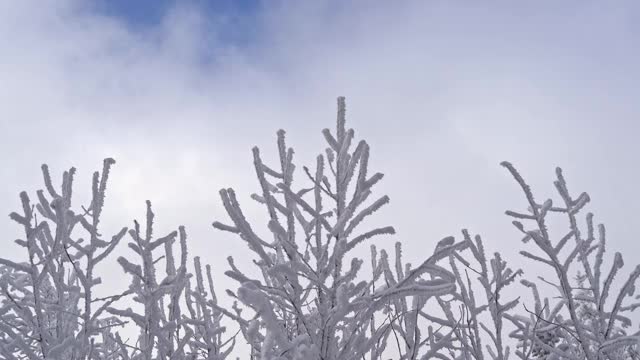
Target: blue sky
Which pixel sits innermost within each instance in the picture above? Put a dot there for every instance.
(236, 22)
(150, 12)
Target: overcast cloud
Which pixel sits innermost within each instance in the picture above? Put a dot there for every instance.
(441, 91)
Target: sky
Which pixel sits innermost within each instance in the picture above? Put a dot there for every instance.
(178, 93)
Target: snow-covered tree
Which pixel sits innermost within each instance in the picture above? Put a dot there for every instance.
(48, 306)
(310, 302)
(176, 321)
(312, 297)
(589, 320)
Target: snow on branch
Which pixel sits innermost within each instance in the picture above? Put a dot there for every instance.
(312, 297)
